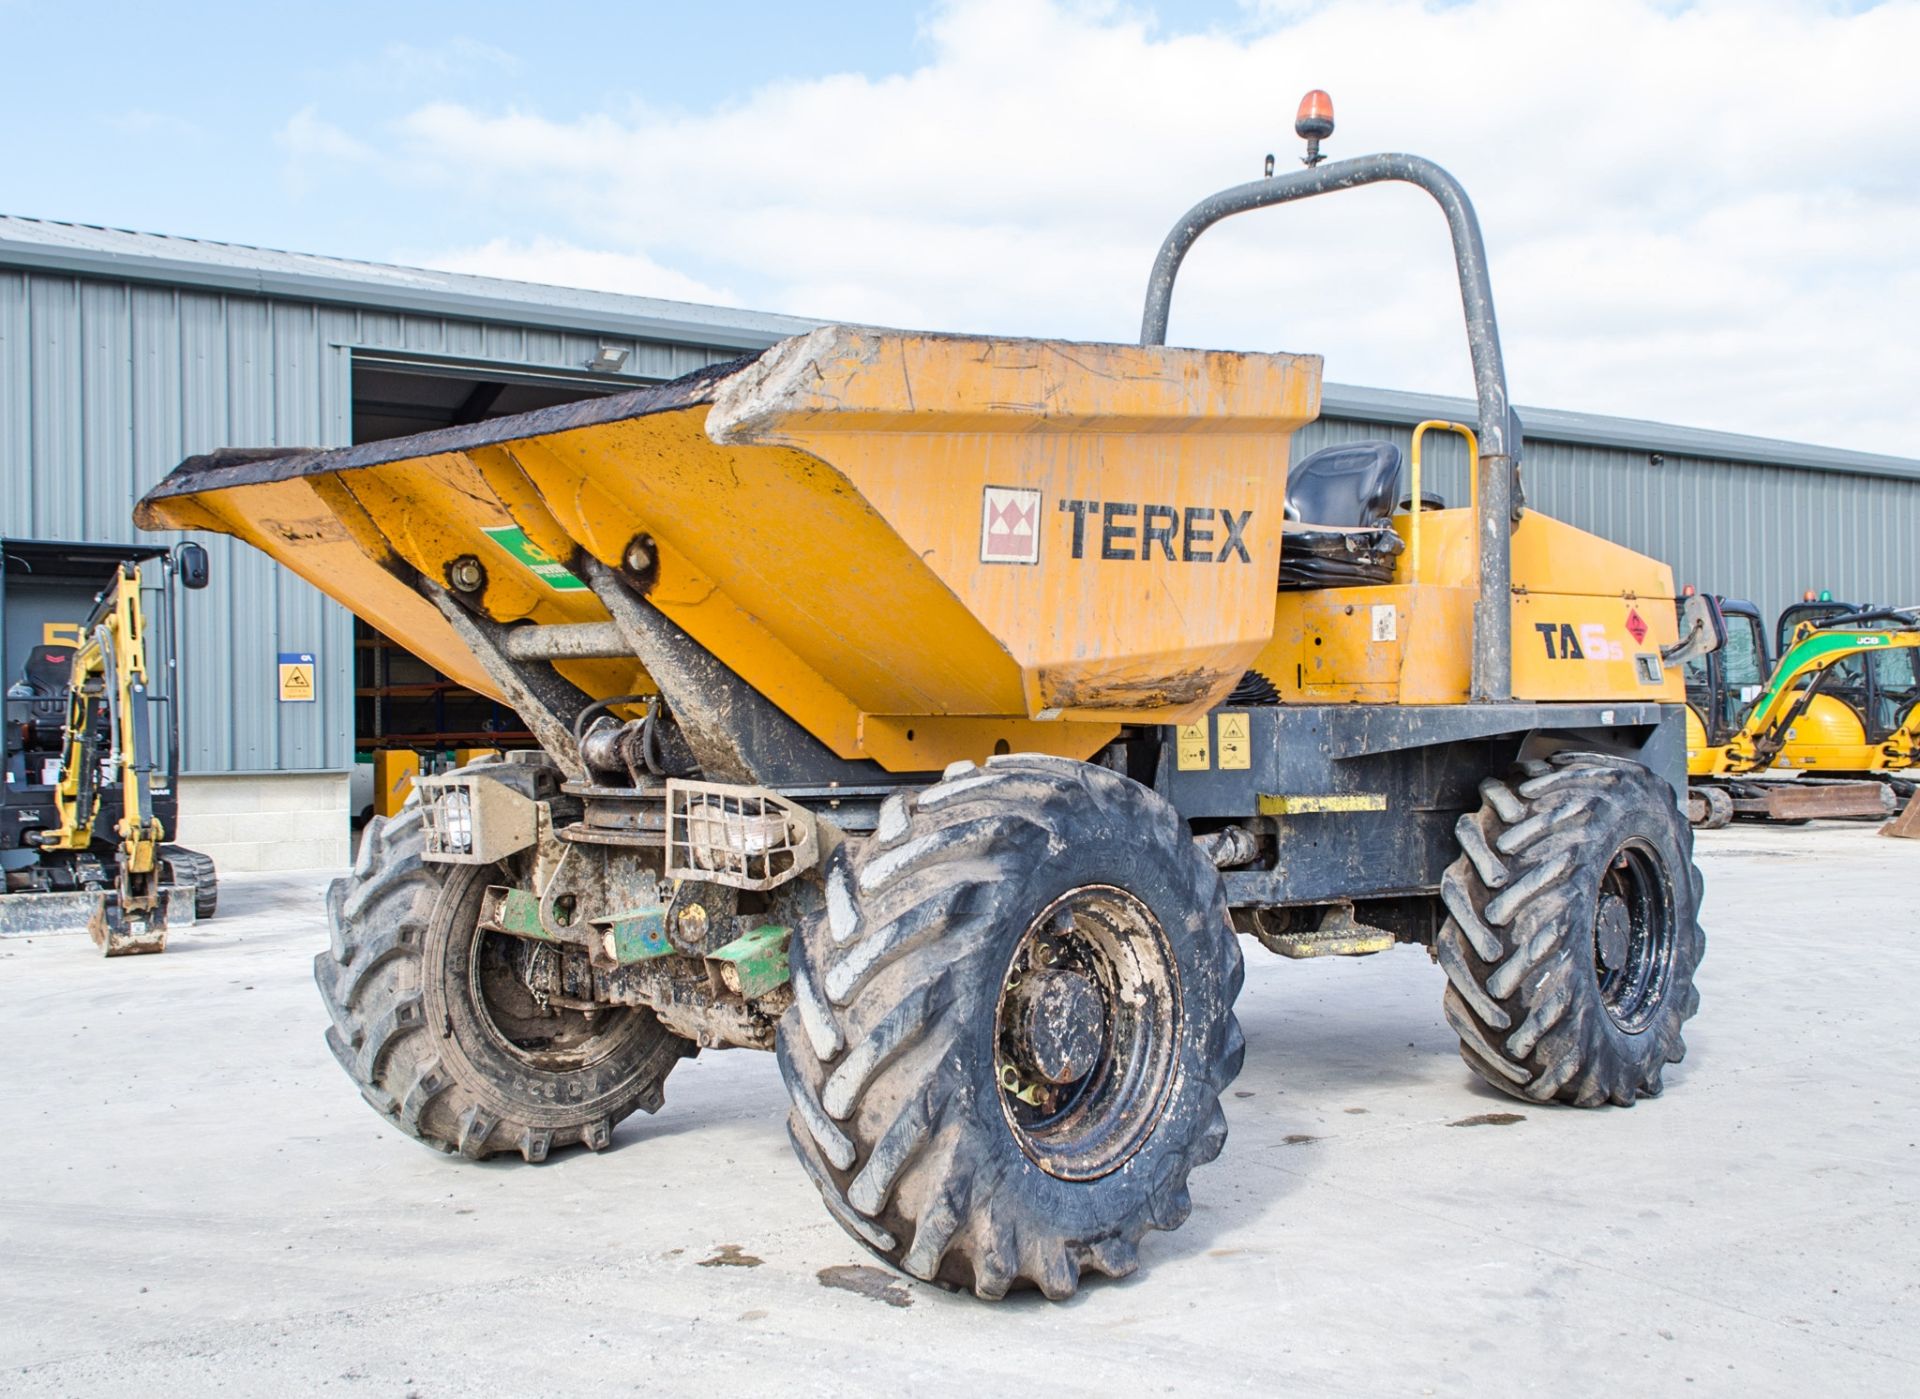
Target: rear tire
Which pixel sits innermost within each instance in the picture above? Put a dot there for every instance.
(1573, 933)
(1012, 1027)
(428, 1023)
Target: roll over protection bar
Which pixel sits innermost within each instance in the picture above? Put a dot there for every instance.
(1492, 615)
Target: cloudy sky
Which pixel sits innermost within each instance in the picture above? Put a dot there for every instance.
(1701, 213)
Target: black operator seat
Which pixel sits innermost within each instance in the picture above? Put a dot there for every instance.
(37, 701)
(45, 674)
(1339, 508)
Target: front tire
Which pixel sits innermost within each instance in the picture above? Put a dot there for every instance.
(441, 1038)
(1012, 1027)
(1573, 932)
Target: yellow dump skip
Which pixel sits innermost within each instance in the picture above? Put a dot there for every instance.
(920, 547)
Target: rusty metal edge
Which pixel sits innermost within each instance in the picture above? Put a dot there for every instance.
(231, 467)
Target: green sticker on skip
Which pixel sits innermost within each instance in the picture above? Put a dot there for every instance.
(539, 562)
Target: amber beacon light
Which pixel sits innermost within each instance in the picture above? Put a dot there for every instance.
(1313, 123)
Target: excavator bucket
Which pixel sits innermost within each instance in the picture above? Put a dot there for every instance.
(1905, 826)
(122, 932)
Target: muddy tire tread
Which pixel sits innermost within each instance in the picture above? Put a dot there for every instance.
(1515, 942)
(371, 979)
(879, 1122)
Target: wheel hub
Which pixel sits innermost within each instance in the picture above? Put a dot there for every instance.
(1086, 1031)
(511, 983)
(1633, 937)
(1057, 1026)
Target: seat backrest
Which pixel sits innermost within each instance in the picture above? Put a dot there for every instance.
(1351, 486)
(47, 669)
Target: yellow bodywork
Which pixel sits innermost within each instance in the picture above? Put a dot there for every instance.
(1704, 759)
(1829, 737)
(925, 548)
(1589, 619)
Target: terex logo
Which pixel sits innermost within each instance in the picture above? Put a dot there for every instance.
(1009, 525)
(1190, 534)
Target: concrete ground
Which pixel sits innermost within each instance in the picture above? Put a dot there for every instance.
(196, 1200)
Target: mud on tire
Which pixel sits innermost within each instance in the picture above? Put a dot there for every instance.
(426, 1025)
(895, 1053)
(1573, 932)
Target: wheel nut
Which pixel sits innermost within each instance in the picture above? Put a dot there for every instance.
(639, 557)
(1058, 1025)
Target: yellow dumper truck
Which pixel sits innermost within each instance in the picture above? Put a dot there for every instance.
(935, 710)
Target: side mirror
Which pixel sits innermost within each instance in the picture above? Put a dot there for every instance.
(190, 560)
(1703, 629)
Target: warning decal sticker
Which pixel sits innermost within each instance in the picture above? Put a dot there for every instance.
(296, 677)
(1191, 748)
(1235, 748)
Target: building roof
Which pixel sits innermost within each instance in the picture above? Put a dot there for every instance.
(117, 254)
(1619, 434)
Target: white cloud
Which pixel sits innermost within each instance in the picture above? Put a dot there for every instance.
(1701, 213)
(400, 63)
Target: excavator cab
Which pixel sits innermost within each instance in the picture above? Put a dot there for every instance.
(1723, 684)
(1896, 691)
(1812, 612)
(1867, 698)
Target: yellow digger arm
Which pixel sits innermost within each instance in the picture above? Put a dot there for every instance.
(110, 666)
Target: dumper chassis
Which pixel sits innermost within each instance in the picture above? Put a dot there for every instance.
(999, 988)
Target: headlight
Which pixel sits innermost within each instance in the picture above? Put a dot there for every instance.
(456, 820)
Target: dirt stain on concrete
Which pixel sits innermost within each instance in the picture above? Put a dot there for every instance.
(730, 1256)
(1490, 1119)
(863, 1281)
(1298, 1139)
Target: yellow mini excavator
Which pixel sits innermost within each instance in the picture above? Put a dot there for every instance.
(1833, 710)
(1864, 720)
(89, 797)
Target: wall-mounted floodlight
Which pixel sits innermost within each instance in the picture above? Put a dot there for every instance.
(608, 359)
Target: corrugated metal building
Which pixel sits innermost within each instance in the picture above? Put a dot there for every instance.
(1746, 516)
(122, 353)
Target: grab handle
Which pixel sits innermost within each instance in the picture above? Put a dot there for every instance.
(1473, 478)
